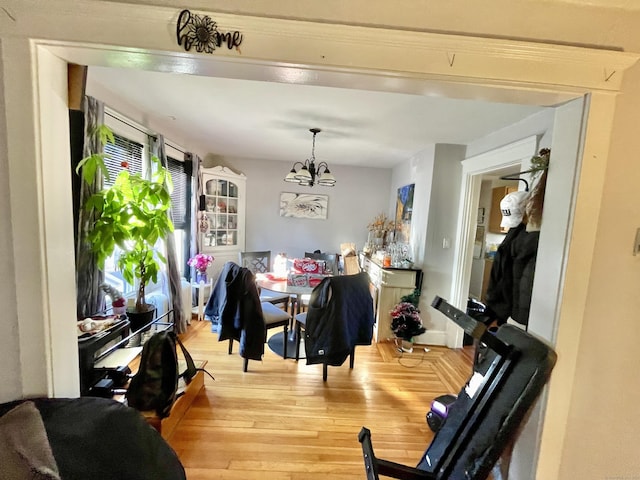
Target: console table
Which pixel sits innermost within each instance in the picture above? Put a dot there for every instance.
(388, 285)
(90, 347)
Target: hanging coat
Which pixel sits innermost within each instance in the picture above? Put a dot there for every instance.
(524, 251)
(235, 310)
(499, 296)
(339, 317)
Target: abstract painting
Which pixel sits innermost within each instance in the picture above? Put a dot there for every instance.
(304, 205)
(404, 211)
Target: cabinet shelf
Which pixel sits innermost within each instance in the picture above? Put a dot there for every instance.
(222, 232)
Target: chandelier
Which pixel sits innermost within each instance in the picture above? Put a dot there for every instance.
(310, 174)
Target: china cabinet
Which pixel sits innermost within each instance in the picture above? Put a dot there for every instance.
(222, 216)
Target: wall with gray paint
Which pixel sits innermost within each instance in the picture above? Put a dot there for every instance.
(443, 214)
(359, 194)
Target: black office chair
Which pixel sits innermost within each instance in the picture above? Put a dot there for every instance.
(260, 262)
(340, 317)
(486, 416)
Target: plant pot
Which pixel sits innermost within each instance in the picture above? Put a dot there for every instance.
(407, 346)
(138, 320)
(403, 345)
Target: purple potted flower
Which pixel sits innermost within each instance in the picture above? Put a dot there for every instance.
(406, 323)
(201, 262)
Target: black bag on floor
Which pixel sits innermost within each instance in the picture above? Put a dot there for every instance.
(155, 385)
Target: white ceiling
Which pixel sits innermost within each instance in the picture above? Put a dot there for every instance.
(268, 120)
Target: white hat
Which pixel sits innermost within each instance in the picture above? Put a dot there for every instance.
(512, 208)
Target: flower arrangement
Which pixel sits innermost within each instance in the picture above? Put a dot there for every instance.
(201, 262)
(381, 225)
(405, 321)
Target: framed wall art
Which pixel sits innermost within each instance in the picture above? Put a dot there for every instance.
(404, 211)
(304, 205)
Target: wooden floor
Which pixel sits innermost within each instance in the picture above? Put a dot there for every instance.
(279, 420)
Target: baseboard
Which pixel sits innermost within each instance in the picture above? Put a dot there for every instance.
(434, 337)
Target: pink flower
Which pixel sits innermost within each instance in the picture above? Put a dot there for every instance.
(201, 262)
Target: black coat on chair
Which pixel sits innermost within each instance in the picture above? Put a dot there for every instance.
(234, 305)
(340, 316)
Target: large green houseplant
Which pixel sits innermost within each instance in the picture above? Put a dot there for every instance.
(132, 215)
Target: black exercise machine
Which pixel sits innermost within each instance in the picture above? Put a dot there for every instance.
(489, 409)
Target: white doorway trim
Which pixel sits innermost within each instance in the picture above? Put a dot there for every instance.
(472, 170)
(294, 52)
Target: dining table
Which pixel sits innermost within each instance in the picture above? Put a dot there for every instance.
(274, 283)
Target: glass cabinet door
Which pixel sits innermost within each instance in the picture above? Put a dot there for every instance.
(221, 207)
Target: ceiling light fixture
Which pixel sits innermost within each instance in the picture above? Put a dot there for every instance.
(309, 174)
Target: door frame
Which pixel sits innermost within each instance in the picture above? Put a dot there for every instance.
(473, 168)
(280, 50)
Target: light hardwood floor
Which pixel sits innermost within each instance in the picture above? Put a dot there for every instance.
(279, 420)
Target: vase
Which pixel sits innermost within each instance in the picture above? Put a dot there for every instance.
(201, 277)
(404, 345)
(407, 345)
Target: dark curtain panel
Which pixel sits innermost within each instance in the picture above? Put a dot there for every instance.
(76, 143)
(197, 190)
(90, 298)
(173, 272)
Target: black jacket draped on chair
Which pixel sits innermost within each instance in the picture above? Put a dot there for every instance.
(340, 316)
(235, 311)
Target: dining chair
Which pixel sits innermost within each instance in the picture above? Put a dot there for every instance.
(260, 262)
(339, 317)
(236, 313)
(332, 265)
(332, 260)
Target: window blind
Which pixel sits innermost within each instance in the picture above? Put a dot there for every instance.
(179, 195)
(123, 150)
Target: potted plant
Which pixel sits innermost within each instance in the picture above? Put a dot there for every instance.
(406, 322)
(131, 215)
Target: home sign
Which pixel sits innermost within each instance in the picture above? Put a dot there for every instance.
(201, 32)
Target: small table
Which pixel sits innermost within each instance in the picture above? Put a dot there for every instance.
(200, 288)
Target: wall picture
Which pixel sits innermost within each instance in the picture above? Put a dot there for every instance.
(404, 211)
(304, 205)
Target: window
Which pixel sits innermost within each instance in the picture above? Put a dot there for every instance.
(180, 211)
(132, 146)
(123, 150)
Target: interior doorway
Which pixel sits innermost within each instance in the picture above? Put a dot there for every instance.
(35, 150)
(487, 239)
